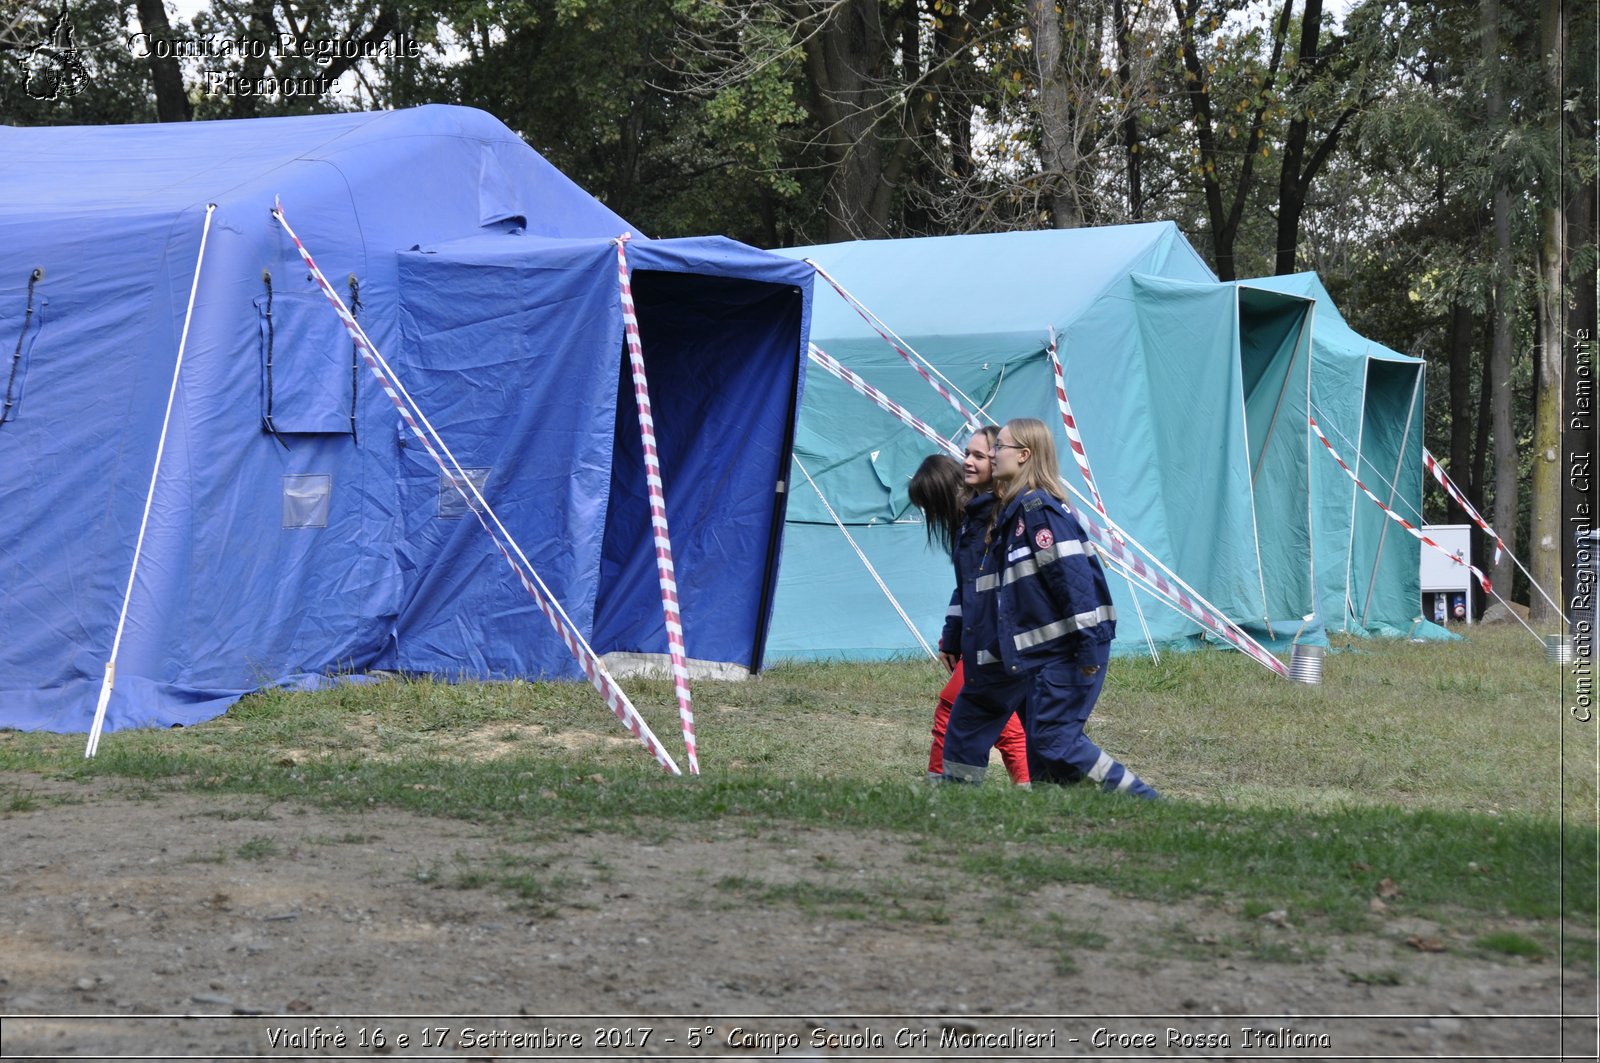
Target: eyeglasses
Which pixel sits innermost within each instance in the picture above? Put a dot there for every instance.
(1009, 446)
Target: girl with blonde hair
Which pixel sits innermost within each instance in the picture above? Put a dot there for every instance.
(1054, 620)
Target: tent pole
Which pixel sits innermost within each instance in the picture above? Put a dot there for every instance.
(1277, 408)
(1144, 624)
(110, 679)
(1394, 486)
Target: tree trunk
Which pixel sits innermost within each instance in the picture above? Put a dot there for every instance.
(1480, 466)
(1460, 383)
(1504, 432)
(846, 61)
(1130, 125)
(262, 26)
(1200, 103)
(1544, 536)
(1297, 173)
(1058, 143)
(1224, 219)
(1462, 418)
(166, 75)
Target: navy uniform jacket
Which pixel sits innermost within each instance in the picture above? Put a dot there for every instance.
(1051, 598)
(969, 624)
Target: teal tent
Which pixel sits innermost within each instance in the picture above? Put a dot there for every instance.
(1368, 401)
(1191, 397)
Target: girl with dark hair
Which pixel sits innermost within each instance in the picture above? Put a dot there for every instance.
(1054, 623)
(955, 499)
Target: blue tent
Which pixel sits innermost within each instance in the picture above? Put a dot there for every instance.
(1191, 395)
(296, 530)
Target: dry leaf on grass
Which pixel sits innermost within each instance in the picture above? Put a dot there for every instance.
(1422, 944)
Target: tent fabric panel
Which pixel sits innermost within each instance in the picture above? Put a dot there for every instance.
(829, 610)
(126, 170)
(1362, 394)
(225, 598)
(1014, 284)
(306, 360)
(67, 562)
(511, 381)
(229, 597)
(1198, 464)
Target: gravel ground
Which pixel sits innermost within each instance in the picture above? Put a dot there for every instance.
(167, 925)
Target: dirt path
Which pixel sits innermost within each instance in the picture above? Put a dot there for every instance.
(169, 924)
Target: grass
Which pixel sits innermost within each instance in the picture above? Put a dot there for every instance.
(1450, 770)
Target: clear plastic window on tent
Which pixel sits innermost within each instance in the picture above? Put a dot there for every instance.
(306, 499)
(451, 505)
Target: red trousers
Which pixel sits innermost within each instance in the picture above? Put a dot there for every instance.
(1012, 744)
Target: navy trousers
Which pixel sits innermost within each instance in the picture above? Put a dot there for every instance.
(1055, 703)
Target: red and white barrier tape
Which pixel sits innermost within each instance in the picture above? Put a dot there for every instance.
(1193, 606)
(1499, 544)
(884, 402)
(1070, 423)
(1391, 514)
(1450, 489)
(593, 667)
(658, 510)
(1110, 539)
(878, 327)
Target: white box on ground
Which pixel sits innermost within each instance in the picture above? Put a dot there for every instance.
(1440, 575)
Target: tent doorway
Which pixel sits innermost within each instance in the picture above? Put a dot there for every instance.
(697, 333)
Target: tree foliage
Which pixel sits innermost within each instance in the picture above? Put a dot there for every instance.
(1363, 140)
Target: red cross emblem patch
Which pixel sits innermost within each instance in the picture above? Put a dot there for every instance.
(1043, 539)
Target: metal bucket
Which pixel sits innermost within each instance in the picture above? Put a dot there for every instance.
(1305, 664)
(1558, 649)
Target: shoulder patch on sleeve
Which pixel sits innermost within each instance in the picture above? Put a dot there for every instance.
(1044, 539)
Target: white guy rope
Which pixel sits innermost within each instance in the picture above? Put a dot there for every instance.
(110, 678)
(884, 587)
